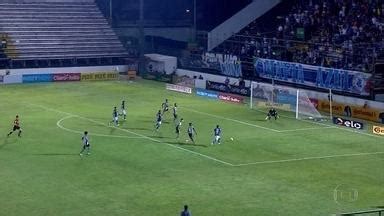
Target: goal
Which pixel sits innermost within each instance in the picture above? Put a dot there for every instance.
(264, 95)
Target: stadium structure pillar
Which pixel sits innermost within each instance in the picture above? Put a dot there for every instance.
(297, 104)
(330, 103)
(111, 12)
(194, 21)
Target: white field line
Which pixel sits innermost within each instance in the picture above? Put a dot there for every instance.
(58, 123)
(305, 129)
(134, 133)
(308, 158)
(230, 119)
(336, 127)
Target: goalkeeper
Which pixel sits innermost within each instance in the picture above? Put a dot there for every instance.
(272, 113)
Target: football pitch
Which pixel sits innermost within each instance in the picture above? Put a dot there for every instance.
(283, 167)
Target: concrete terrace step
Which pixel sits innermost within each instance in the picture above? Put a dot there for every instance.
(48, 4)
(67, 47)
(53, 28)
(70, 43)
(64, 39)
(52, 24)
(51, 9)
(47, 12)
(58, 33)
(60, 55)
(81, 36)
(55, 51)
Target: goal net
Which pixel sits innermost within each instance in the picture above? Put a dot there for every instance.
(264, 95)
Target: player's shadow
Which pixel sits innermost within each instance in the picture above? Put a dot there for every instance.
(56, 154)
(186, 144)
(158, 136)
(7, 142)
(112, 130)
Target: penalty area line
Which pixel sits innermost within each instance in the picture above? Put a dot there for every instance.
(137, 134)
(230, 119)
(307, 158)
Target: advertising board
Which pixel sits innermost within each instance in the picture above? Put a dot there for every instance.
(178, 88)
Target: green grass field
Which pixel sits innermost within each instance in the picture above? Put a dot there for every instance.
(283, 167)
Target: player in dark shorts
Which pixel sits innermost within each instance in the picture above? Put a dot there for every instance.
(159, 118)
(123, 110)
(86, 145)
(16, 126)
(174, 109)
(272, 113)
(115, 117)
(178, 127)
(165, 106)
(191, 132)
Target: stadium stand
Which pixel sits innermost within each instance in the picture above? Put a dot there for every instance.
(333, 33)
(57, 30)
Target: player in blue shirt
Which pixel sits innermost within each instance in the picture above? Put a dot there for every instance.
(115, 117)
(86, 145)
(185, 212)
(191, 132)
(123, 110)
(159, 118)
(217, 135)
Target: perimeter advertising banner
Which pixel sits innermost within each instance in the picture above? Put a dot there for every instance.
(178, 88)
(313, 76)
(207, 93)
(1, 79)
(348, 123)
(220, 96)
(378, 130)
(35, 78)
(64, 77)
(99, 76)
(347, 110)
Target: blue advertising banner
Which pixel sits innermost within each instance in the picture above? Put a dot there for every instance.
(1, 78)
(34, 78)
(207, 93)
(314, 76)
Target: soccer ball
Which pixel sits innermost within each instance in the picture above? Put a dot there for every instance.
(186, 140)
(231, 138)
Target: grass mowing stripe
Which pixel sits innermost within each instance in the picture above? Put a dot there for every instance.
(137, 134)
(305, 129)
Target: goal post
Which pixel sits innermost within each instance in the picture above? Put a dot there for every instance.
(298, 101)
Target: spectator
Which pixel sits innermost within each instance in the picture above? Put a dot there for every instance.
(241, 83)
(3, 42)
(185, 212)
(227, 84)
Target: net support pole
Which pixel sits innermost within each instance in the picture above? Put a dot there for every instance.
(330, 104)
(297, 103)
(251, 96)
